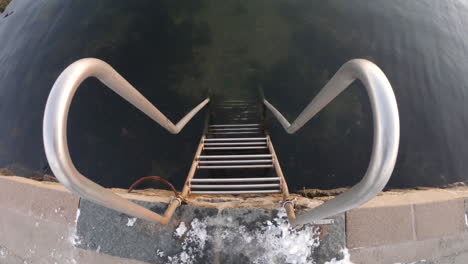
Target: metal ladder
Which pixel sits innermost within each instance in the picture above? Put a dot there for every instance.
(382, 161)
(236, 155)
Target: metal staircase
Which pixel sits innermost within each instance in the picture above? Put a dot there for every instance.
(237, 156)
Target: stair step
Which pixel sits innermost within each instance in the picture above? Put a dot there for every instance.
(234, 133)
(235, 139)
(234, 129)
(235, 161)
(236, 166)
(233, 108)
(236, 125)
(237, 192)
(245, 113)
(253, 156)
(235, 186)
(235, 143)
(235, 105)
(235, 148)
(240, 102)
(236, 102)
(263, 179)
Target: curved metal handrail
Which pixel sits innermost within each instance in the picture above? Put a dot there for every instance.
(386, 134)
(55, 133)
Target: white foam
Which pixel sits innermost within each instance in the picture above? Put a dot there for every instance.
(74, 239)
(283, 244)
(160, 253)
(273, 241)
(131, 221)
(180, 231)
(193, 244)
(77, 215)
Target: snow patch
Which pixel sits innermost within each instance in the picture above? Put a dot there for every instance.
(131, 221)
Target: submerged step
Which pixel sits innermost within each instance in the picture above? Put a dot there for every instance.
(234, 129)
(234, 133)
(235, 139)
(236, 100)
(236, 125)
(234, 106)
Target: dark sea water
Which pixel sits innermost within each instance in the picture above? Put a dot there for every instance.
(175, 52)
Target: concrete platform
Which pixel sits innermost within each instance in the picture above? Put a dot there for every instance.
(410, 225)
(38, 224)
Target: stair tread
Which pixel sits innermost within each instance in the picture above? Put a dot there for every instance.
(257, 179)
(238, 192)
(235, 186)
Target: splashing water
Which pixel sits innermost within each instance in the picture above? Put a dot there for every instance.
(180, 231)
(193, 243)
(74, 239)
(283, 244)
(272, 241)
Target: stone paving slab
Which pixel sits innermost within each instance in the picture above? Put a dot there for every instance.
(16, 195)
(37, 225)
(399, 217)
(44, 200)
(439, 219)
(436, 250)
(379, 225)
